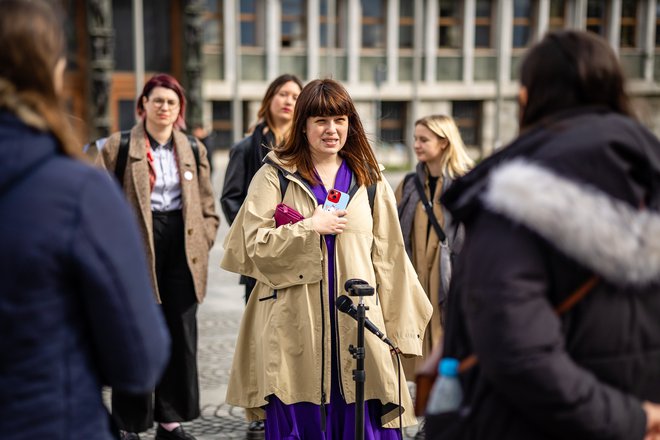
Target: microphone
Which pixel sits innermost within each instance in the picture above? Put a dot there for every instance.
(344, 304)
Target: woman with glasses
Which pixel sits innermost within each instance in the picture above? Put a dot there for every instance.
(169, 186)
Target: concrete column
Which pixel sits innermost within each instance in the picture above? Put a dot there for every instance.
(273, 38)
(468, 41)
(313, 38)
(431, 41)
(505, 30)
(614, 25)
(101, 64)
(543, 19)
(579, 14)
(648, 42)
(392, 41)
(354, 41)
(232, 49)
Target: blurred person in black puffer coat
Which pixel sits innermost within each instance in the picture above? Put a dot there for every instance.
(574, 198)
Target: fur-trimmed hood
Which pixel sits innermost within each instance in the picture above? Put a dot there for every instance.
(608, 236)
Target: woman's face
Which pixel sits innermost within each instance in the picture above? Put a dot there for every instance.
(161, 107)
(326, 135)
(281, 106)
(428, 146)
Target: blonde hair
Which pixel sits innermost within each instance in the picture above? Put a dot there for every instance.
(455, 160)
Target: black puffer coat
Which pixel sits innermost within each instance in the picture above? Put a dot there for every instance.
(542, 216)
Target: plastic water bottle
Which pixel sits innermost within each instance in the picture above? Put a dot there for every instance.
(446, 394)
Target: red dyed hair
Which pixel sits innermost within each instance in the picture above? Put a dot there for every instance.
(168, 82)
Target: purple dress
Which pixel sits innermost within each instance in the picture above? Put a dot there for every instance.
(302, 420)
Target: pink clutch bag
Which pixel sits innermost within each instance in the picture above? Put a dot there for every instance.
(286, 215)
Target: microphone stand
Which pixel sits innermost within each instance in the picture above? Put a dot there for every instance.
(358, 353)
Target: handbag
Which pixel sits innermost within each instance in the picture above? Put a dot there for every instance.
(286, 215)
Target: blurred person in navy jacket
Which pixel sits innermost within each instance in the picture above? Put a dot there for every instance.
(76, 303)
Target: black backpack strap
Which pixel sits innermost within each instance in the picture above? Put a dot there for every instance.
(122, 156)
(371, 194)
(195, 150)
(429, 209)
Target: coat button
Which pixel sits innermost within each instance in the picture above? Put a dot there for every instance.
(194, 260)
(190, 231)
(300, 276)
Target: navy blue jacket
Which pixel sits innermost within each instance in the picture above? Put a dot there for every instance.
(76, 304)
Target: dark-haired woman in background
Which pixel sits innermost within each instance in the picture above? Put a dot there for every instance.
(246, 157)
(570, 205)
(170, 189)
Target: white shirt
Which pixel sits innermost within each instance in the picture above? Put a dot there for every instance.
(166, 194)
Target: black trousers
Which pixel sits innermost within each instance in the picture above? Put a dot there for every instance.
(176, 398)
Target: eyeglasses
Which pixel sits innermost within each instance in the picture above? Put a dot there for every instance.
(159, 102)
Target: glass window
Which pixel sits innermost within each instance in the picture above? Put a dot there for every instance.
(523, 21)
(483, 24)
(467, 115)
(629, 23)
(557, 15)
(657, 25)
(449, 24)
(248, 23)
(406, 25)
(373, 24)
(596, 19)
(122, 20)
(326, 19)
(222, 128)
(212, 25)
(157, 28)
(293, 23)
(393, 122)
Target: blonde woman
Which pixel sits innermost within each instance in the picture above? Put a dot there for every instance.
(428, 233)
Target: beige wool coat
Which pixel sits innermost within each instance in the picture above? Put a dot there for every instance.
(199, 214)
(284, 342)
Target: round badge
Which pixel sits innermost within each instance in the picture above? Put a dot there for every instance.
(188, 175)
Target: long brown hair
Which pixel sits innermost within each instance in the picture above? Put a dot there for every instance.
(32, 41)
(264, 111)
(326, 97)
(569, 69)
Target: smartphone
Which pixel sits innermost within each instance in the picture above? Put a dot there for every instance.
(336, 200)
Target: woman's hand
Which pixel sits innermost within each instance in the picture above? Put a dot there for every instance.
(652, 411)
(328, 222)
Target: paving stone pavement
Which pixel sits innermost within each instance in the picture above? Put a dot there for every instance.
(219, 317)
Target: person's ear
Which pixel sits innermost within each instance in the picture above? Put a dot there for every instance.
(58, 75)
(522, 96)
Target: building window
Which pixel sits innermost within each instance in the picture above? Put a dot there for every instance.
(373, 24)
(629, 23)
(557, 19)
(293, 23)
(523, 21)
(406, 25)
(596, 17)
(483, 24)
(467, 115)
(393, 122)
(251, 26)
(449, 24)
(212, 24)
(657, 25)
(222, 128)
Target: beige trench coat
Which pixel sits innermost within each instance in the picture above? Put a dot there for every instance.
(199, 215)
(283, 346)
(426, 260)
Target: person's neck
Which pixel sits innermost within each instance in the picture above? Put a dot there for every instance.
(160, 134)
(435, 168)
(327, 168)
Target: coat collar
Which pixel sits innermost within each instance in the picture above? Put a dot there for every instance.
(609, 236)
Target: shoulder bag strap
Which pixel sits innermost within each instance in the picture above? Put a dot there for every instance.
(122, 156)
(428, 206)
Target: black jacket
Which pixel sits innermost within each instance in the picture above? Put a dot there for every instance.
(560, 204)
(245, 159)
